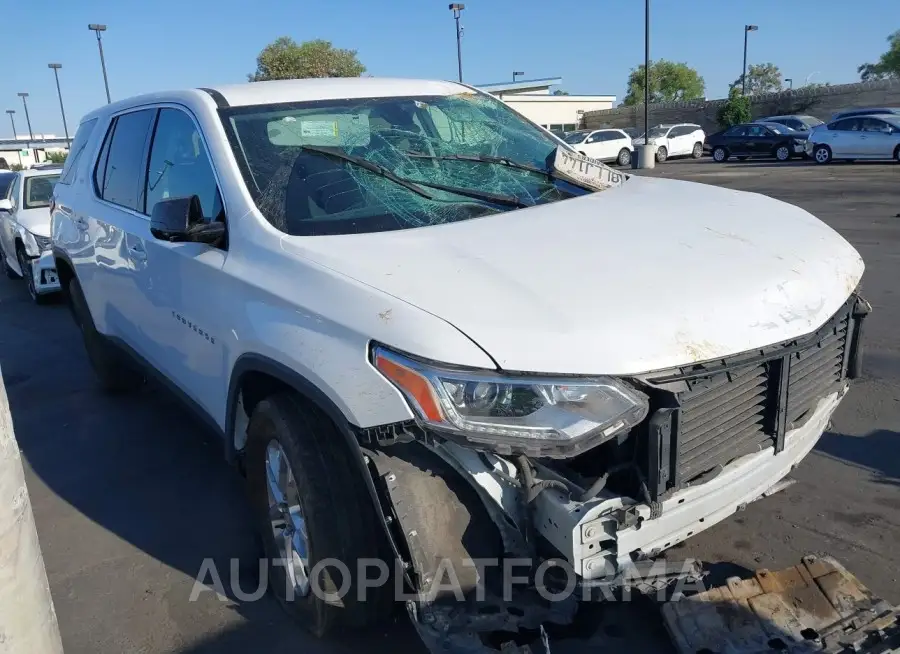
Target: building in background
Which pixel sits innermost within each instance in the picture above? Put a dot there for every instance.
(21, 151)
(532, 98)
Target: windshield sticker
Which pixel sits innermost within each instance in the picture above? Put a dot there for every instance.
(332, 130)
(318, 128)
(586, 171)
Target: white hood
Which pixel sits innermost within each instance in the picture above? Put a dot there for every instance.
(36, 221)
(653, 274)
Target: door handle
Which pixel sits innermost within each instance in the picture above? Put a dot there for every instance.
(137, 252)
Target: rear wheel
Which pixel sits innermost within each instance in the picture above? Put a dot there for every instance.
(782, 153)
(315, 516)
(897, 154)
(112, 369)
(697, 152)
(661, 154)
(624, 157)
(720, 154)
(822, 154)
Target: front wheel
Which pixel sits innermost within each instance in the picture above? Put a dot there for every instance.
(782, 153)
(25, 265)
(822, 154)
(624, 157)
(697, 152)
(315, 517)
(661, 154)
(720, 154)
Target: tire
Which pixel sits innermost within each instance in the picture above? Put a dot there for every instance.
(661, 154)
(114, 372)
(624, 158)
(28, 276)
(783, 152)
(822, 154)
(326, 501)
(10, 273)
(897, 154)
(720, 154)
(697, 152)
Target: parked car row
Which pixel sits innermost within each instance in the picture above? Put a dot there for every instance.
(617, 145)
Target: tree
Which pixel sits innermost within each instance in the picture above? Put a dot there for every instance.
(284, 58)
(735, 110)
(668, 81)
(887, 66)
(57, 157)
(560, 92)
(761, 78)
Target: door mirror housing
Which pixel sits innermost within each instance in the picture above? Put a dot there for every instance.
(6, 205)
(181, 219)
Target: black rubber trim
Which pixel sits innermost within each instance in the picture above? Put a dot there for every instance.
(217, 97)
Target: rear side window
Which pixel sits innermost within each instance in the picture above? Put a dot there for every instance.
(120, 172)
(82, 136)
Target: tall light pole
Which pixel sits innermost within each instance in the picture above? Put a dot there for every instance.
(95, 27)
(791, 82)
(62, 109)
(647, 73)
(12, 112)
(747, 30)
(457, 8)
(516, 73)
(28, 120)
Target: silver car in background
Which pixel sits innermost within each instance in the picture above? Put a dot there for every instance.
(856, 137)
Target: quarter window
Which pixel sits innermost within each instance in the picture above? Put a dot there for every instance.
(70, 168)
(120, 169)
(179, 165)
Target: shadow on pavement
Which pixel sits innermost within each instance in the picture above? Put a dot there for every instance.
(878, 451)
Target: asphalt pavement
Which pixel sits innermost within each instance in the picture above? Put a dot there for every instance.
(131, 494)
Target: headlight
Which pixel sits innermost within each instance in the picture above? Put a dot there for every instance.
(43, 242)
(539, 416)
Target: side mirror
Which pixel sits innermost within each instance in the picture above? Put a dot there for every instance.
(6, 205)
(181, 219)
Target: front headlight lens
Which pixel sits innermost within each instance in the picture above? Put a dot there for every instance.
(540, 416)
(43, 242)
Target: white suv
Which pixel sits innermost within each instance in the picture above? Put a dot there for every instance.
(423, 341)
(680, 140)
(603, 144)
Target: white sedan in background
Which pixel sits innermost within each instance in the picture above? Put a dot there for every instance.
(857, 137)
(603, 144)
(678, 140)
(25, 231)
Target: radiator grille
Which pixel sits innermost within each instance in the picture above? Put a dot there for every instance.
(814, 372)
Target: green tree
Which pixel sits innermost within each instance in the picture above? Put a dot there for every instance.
(669, 81)
(56, 157)
(761, 78)
(888, 65)
(284, 58)
(735, 110)
(560, 92)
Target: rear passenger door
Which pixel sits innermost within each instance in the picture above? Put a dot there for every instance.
(843, 138)
(180, 283)
(679, 139)
(110, 218)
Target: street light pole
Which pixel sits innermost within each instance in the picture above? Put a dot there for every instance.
(95, 27)
(457, 8)
(647, 72)
(12, 113)
(62, 109)
(747, 30)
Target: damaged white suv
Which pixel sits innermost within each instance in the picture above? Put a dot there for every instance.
(430, 332)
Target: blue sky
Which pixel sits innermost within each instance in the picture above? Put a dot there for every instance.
(592, 44)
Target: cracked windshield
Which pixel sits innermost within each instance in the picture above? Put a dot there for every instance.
(354, 166)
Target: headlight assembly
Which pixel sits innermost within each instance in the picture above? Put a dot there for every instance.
(539, 415)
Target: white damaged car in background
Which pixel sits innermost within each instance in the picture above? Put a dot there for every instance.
(431, 333)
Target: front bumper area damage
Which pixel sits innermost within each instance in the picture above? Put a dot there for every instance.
(503, 553)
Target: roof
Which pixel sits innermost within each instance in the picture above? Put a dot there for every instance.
(41, 172)
(520, 85)
(332, 88)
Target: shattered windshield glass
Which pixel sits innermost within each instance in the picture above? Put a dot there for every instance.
(376, 164)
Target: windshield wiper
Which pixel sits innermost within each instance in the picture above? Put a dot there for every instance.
(483, 158)
(415, 185)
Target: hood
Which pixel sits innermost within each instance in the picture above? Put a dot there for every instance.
(648, 275)
(36, 221)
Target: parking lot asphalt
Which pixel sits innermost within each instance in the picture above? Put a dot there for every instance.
(131, 494)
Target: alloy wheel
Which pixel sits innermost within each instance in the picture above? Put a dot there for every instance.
(822, 155)
(27, 273)
(719, 154)
(286, 518)
(782, 153)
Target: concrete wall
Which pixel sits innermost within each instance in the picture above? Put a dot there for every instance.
(821, 102)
